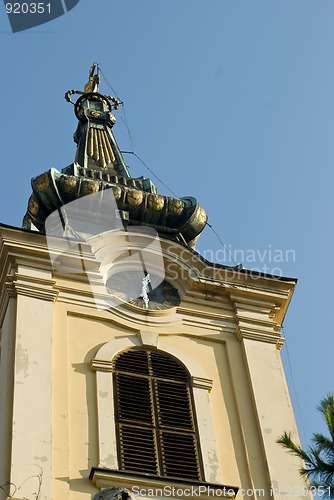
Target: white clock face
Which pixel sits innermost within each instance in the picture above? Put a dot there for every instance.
(156, 295)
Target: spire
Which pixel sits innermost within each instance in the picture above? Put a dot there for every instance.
(97, 149)
(99, 166)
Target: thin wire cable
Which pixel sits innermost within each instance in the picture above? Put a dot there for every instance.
(125, 120)
(109, 84)
(222, 243)
(148, 168)
(174, 194)
(294, 386)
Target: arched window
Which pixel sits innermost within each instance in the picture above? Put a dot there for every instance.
(154, 414)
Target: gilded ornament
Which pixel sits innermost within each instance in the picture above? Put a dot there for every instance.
(155, 202)
(99, 166)
(41, 183)
(176, 206)
(33, 205)
(104, 147)
(90, 142)
(89, 187)
(68, 183)
(134, 197)
(27, 220)
(201, 215)
(108, 146)
(117, 192)
(92, 86)
(93, 83)
(102, 159)
(112, 118)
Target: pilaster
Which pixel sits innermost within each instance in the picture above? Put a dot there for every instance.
(26, 313)
(259, 334)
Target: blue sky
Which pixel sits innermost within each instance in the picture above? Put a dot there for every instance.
(230, 101)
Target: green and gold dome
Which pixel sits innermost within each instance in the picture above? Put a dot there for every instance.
(98, 166)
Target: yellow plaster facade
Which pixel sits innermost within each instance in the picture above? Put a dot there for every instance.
(58, 339)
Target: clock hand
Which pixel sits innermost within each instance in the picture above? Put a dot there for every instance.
(146, 280)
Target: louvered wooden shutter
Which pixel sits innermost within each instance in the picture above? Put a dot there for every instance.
(154, 415)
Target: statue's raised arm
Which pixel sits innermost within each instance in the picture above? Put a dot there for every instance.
(93, 83)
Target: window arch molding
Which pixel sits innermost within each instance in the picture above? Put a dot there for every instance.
(102, 365)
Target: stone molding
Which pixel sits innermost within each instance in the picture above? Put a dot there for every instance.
(202, 383)
(230, 299)
(105, 478)
(256, 319)
(107, 366)
(102, 366)
(30, 286)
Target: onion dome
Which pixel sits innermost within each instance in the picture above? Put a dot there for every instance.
(99, 166)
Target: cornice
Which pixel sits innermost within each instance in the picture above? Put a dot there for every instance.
(107, 366)
(257, 319)
(128, 313)
(256, 334)
(213, 297)
(219, 339)
(24, 249)
(197, 271)
(31, 286)
(28, 286)
(5, 297)
(280, 343)
(106, 478)
(76, 296)
(202, 383)
(220, 317)
(101, 366)
(197, 322)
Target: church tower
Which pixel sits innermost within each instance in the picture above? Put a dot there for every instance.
(130, 365)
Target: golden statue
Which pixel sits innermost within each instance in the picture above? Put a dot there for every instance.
(93, 83)
(92, 86)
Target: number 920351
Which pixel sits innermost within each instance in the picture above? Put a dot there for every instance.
(28, 8)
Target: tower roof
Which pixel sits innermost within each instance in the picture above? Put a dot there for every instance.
(99, 166)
